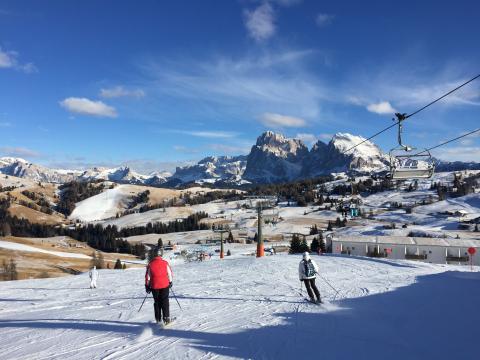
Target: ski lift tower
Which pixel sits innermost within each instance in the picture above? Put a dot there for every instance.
(221, 229)
(262, 203)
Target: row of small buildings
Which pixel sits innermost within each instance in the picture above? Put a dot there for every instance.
(431, 250)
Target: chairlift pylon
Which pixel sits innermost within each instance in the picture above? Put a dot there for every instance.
(403, 164)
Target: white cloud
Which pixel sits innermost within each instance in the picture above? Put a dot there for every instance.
(185, 150)
(85, 106)
(260, 22)
(307, 138)
(279, 121)
(323, 20)
(470, 139)
(249, 85)
(230, 149)
(120, 91)
(413, 87)
(9, 60)
(382, 108)
(460, 153)
(18, 152)
(207, 134)
(288, 2)
(325, 137)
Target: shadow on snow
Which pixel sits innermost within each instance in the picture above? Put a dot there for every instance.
(434, 318)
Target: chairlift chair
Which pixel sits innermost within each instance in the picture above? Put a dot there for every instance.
(404, 165)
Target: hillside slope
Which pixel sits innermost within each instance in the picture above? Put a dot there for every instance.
(248, 308)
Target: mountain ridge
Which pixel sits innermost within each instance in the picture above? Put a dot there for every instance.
(273, 158)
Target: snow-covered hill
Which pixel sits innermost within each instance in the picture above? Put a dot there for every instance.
(247, 308)
(102, 206)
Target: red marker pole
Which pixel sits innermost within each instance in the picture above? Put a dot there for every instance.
(471, 252)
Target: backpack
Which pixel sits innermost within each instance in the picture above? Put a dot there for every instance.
(309, 268)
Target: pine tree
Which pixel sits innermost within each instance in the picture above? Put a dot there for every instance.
(315, 245)
(118, 265)
(230, 237)
(229, 252)
(323, 244)
(329, 227)
(295, 244)
(124, 267)
(160, 246)
(304, 245)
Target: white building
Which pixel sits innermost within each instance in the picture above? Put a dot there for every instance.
(432, 250)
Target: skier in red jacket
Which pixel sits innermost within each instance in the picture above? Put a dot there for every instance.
(158, 280)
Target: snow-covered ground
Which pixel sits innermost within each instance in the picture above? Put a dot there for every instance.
(249, 308)
(21, 247)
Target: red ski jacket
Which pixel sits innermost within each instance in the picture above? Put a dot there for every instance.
(159, 274)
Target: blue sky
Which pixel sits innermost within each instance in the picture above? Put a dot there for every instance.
(154, 84)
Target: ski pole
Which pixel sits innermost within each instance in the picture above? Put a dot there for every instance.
(301, 288)
(175, 296)
(336, 291)
(143, 302)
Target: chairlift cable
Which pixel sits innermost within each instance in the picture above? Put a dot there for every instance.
(412, 114)
(371, 137)
(448, 141)
(443, 96)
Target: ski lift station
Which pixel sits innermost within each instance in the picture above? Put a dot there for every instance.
(431, 250)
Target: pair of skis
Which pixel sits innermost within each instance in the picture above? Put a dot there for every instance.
(319, 303)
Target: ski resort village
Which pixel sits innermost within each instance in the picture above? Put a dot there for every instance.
(271, 179)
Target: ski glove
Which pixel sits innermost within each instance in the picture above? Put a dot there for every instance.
(148, 289)
(170, 284)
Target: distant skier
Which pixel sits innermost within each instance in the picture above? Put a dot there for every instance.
(93, 277)
(158, 280)
(306, 272)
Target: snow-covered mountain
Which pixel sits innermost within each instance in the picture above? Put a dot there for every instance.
(333, 157)
(275, 158)
(24, 169)
(441, 165)
(120, 175)
(212, 169)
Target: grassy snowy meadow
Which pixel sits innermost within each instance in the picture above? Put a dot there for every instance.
(249, 308)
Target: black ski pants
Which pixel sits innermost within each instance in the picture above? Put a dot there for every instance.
(161, 305)
(312, 288)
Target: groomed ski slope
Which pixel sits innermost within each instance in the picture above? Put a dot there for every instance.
(249, 308)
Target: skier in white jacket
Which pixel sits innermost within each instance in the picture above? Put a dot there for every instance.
(93, 277)
(306, 272)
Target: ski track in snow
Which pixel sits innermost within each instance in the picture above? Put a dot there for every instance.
(235, 308)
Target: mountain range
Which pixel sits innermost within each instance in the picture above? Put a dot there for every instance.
(274, 158)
